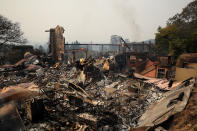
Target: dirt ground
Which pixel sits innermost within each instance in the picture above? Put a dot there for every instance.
(186, 120)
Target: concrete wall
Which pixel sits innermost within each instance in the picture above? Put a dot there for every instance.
(185, 73)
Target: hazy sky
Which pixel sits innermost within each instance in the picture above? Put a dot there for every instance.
(91, 20)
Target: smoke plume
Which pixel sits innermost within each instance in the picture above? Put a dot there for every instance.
(128, 14)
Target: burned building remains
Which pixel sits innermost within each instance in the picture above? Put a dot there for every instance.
(57, 41)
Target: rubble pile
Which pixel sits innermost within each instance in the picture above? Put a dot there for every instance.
(78, 97)
(96, 103)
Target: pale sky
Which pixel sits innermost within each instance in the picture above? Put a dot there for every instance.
(91, 20)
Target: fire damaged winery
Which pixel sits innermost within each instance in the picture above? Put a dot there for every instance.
(127, 84)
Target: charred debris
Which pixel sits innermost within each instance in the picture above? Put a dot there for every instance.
(130, 90)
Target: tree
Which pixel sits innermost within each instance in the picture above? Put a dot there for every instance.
(180, 34)
(168, 40)
(187, 16)
(10, 33)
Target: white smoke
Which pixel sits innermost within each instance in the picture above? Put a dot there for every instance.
(128, 14)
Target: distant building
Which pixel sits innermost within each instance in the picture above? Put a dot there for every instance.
(115, 39)
(160, 68)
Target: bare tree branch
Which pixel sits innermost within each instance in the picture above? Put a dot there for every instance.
(10, 33)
